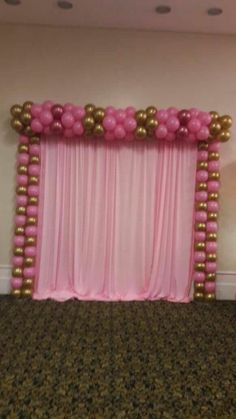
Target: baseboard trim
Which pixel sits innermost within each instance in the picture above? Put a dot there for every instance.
(225, 287)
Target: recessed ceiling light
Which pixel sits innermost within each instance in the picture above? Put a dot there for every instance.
(214, 11)
(64, 4)
(13, 2)
(162, 10)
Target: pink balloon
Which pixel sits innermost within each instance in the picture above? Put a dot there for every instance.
(68, 133)
(23, 158)
(162, 116)
(36, 126)
(214, 166)
(33, 190)
(31, 231)
(202, 155)
(17, 261)
(109, 123)
(130, 124)
(199, 257)
(20, 220)
(212, 227)
(46, 117)
(211, 267)
(36, 110)
(120, 116)
(211, 247)
(29, 272)
(161, 131)
(30, 251)
(202, 175)
(67, 120)
(130, 111)
(16, 283)
(19, 241)
(172, 124)
(194, 112)
(170, 137)
(215, 146)
(129, 137)
(32, 210)
(213, 206)
(109, 136)
(69, 107)
(110, 110)
(22, 200)
(210, 287)
(191, 138)
(194, 125)
(119, 132)
(201, 216)
(47, 130)
(34, 149)
(22, 180)
(78, 113)
(78, 128)
(213, 186)
(47, 105)
(23, 139)
(172, 110)
(205, 118)
(203, 133)
(200, 236)
(199, 276)
(201, 196)
(34, 169)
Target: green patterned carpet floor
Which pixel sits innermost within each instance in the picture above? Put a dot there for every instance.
(117, 360)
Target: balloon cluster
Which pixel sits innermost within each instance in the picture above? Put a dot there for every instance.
(219, 126)
(22, 118)
(26, 218)
(206, 215)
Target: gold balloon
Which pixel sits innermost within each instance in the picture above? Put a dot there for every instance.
(210, 296)
(151, 111)
(213, 155)
(21, 210)
(212, 216)
(200, 246)
(214, 176)
(202, 186)
(29, 261)
(198, 296)
(17, 125)
(151, 124)
(212, 236)
(25, 118)
(21, 190)
(98, 130)
(213, 196)
(35, 140)
(17, 272)
(224, 136)
(28, 131)
(23, 148)
(27, 105)
(214, 116)
(99, 114)
(202, 165)
(141, 117)
(27, 292)
(88, 122)
(200, 226)
(22, 169)
(211, 257)
(211, 276)
(33, 180)
(31, 221)
(19, 251)
(30, 241)
(201, 206)
(16, 110)
(215, 128)
(16, 292)
(28, 282)
(140, 133)
(19, 231)
(33, 200)
(202, 145)
(199, 286)
(34, 160)
(226, 121)
(199, 266)
(89, 108)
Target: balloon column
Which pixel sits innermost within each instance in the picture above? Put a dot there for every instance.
(205, 130)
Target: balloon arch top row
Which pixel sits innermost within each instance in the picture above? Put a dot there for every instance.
(205, 129)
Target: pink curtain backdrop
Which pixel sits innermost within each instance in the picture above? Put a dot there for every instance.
(115, 220)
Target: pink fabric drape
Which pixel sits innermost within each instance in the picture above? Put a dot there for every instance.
(115, 220)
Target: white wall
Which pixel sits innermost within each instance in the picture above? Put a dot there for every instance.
(119, 68)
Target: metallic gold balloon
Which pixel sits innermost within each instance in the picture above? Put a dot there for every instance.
(210, 296)
(199, 286)
(213, 155)
(99, 114)
(213, 196)
(27, 105)
(201, 206)
(201, 186)
(28, 131)
(211, 257)
(198, 296)
(29, 261)
(200, 246)
(19, 251)
(21, 210)
(211, 276)
(140, 133)
(17, 272)
(212, 216)
(33, 180)
(21, 190)
(16, 110)
(31, 221)
(25, 118)
(215, 128)
(89, 108)
(202, 145)
(98, 130)
(151, 123)
(88, 122)
(16, 292)
(23, 148)
(214, 176)
(33, 200)
(34, 160)
(22, 169)
(226, 121)
(224, 136)
(214, 116)
(30, 241)
(27, 292)
(28, 282)
(19, 231)
(17, 125)
(35, 140)
(151, 111)
(211, 236)
(141, 117)
(200, 226)
(199, 266)
(202, 165)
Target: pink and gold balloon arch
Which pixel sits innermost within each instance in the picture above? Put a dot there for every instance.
(206, 129)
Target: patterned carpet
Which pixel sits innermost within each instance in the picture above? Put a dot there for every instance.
(117, 360)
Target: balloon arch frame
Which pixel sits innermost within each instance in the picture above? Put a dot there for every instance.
(208, 129)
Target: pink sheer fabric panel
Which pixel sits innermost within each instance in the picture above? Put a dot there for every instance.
(115, 220)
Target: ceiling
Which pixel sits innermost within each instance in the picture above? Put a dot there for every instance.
(185, 16)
